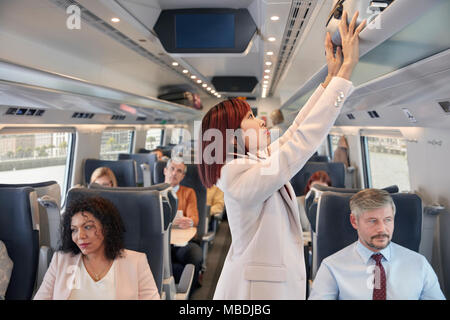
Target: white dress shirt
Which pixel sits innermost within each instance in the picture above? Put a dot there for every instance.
(348, 275)
(88, 289)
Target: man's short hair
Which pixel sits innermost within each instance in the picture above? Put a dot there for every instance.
(370, 199)
(177, 160)
(276, 116)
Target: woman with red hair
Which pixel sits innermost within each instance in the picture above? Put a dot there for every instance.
(265, 259)
(318, 177)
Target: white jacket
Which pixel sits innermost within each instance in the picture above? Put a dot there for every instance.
(266, 259)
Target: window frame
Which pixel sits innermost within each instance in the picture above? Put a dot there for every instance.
(364, 135)
(365, 162)
(132, 141)
(160, 143)
(180, 135)
(70, 151)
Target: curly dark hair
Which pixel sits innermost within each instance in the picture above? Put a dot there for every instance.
(109, 217)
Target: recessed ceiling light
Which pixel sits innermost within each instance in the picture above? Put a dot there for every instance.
(274, 18)
(266, 81)
(212, 91)
(269, 53)
(266, 77)
(219, 96)
(208, 89)
(193, 77)
(268, 63)
(115, 20)
(271, 39)
(185, 71)
(175, 64)
(199, 81)
(204, 85)
(267, 71)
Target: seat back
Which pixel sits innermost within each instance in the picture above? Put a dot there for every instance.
(336, 172)
(317, 158)
(335, 232)
(141, 213)
(140, 158)
(143, 150)
(169, 200)
(158, 172)
(192, 180)
(49, 220)
(124, 170)
(19, 230)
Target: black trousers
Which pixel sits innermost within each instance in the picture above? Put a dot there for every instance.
(181, 256)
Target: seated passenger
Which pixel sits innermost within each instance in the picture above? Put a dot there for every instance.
(92, 263)
(374, 268)
(6, 266)
(174, 172)
(104, 177)
(318, 177)
(214, 198)
(159, 154)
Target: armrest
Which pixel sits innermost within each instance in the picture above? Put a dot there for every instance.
(208, 237)
(45, 257)
(184, 286)
(219, 216)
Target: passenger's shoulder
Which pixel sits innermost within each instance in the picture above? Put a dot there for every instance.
(132, 255)
(186, 189)
(341, 255)
(403, 252)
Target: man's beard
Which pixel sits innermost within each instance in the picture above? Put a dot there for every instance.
(372, 245)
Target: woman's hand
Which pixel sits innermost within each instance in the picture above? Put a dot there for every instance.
(350, 44)
(334, 61)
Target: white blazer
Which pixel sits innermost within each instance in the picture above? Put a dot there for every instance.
(266, 259)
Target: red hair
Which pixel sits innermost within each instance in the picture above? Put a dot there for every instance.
(318, 176)
(227, 114)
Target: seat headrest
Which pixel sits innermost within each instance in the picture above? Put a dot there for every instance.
(140, 158)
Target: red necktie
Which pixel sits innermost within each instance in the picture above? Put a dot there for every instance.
(379, 289)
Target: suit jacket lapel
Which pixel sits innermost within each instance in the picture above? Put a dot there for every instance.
(73, 276)
(291, 204)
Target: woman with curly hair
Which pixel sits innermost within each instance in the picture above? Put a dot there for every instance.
(92, 263)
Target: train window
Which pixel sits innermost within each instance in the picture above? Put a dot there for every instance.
(114, 142)
(386, 162)
(333, 140)
(35, 157)
(177, 136)
(154, 138)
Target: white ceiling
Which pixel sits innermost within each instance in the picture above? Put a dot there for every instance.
(34, 34)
